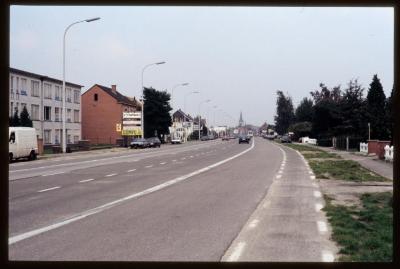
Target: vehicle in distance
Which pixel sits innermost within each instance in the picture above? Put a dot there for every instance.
(225, 138)
(139, 143)
(176, 140)
(22, 143)
(204, 138)
(250, 133)
(286, 139)
(154, 142)
(244, 139)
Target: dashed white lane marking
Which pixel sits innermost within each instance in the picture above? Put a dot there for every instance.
(163, 163)
(183, 158)
(327, 256)
(174, 160)
(278, 176)
(52, 174)
(49, 189)
(318, 207)
(253, 223)
(237, 252)
(20, 237)
(312, 177)
(191, 156)
(131, 170)
(322, 228)
(317, 194)
(149, 166)
(280, 171)
(86, 180)
(110, 175)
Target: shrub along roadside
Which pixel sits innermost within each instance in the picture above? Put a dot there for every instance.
(345, 170)
(364, 235)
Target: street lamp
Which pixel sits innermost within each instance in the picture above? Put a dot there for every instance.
(369, 131)
(184, 100)
(172, 92)
(144, 68)
(64, 133)
(205, 101)
(214, 114)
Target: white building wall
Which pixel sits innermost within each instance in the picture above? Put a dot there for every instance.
(22, 94)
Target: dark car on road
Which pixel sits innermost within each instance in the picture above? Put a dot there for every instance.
(154, 142)
(204, 138)
(244, 139)
(139, 143)
(286, 139)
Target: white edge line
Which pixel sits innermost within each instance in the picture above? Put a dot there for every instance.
(103, 207)
(52, 174)
(49, 189)
(86, 180)
(237, 252)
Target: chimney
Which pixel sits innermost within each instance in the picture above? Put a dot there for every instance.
(114, 88)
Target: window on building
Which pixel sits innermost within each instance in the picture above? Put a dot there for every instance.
(11, 109)
(35, 112)
(57, 113)
(22, 106)
(47, 136)
(76, 96)
(58, 95)
(76, 115)
(57, 136)
(68, 115)
(35, 88)
(47, 113)
(47, 90)
(68, 93)
(12, 87)
(24, 87)
(16, 108)
(96, 97)
(69, 139)
(17, 89)
(76, 139)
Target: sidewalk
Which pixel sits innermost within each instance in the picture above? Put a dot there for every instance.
(372, 163)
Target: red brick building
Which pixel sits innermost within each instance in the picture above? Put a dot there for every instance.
(102, 109)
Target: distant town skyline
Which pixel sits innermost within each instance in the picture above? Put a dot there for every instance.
(236, 56)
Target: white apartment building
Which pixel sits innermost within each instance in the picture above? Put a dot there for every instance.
(42, 96)
(182, 125)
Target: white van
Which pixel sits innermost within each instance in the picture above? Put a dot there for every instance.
(22, 143)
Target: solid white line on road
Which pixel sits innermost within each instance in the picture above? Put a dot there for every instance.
(327, 256)
(317, 194)
(110, 175)
(86, 180)
(318, 207)
(278, 176)
(237, 252)
(253, 223)
(101, 208)
(149, 166)
(49, 189)
(131, 170)
(191, 156)
(52, 174)
(163, 163)
(312, 177)
(322, 228)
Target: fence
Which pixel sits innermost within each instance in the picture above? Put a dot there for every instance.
(312, 141)
(347, 143)
(389, 152)
(364, 148)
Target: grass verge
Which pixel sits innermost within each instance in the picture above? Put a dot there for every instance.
(343, 169)
(364, 235)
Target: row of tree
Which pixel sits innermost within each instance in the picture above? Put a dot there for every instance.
(337, 112)
(23, 119)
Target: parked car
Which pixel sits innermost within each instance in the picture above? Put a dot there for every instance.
(154, 142)
(176, 140)
(286, 139)
(244, 139)
(139, 143)
(204, 138)
(22, 143)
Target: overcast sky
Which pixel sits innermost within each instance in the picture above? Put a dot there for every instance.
(236, 56)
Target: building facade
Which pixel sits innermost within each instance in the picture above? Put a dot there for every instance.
(102, 112)
(182, 125)
(42, 97)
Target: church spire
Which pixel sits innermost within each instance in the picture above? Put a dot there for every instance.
(241, 122)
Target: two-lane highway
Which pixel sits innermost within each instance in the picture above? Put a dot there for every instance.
(183, 203)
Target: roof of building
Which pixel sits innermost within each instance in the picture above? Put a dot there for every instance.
(29, 74)
(118, 96)
(179, 112)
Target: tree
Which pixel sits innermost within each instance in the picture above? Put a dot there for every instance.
(25, 118)
(305, 111)
(376, 110)
(15, 119)
(284, 113)
(156, 112)
(353, 111)
(301, 129)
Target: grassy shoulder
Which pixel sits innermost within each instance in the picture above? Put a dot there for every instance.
(364, 235)
(343, 169)
(312, 152)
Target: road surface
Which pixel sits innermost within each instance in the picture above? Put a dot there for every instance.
(201, 201)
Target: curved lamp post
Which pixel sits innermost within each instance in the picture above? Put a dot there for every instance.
(64, 133)
(205, 101)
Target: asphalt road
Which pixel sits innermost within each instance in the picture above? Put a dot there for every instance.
(190, 202)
